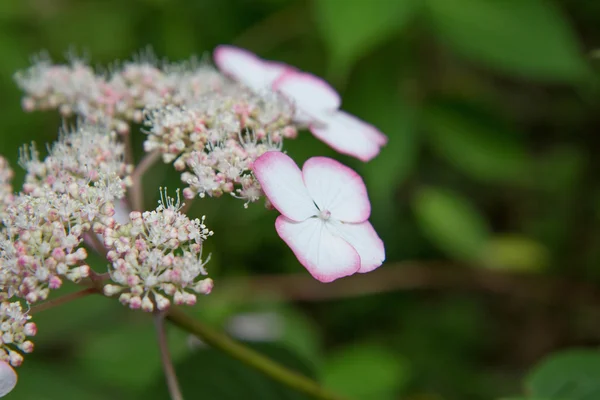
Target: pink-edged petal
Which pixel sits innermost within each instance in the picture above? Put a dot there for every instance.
(311, 94)
(247, 68)
(274, 70)
(363, 238)
(281, 180)
(375, 134)
(325, 255)
(348, 135)
(8, 378)
(336, 188)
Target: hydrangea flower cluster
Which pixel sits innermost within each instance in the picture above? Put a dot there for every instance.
(157, 258)
(69, 194)
(16, 328)
(215, 140)
(223, 130)
(39, 246)
(80, 158)
(116, 98)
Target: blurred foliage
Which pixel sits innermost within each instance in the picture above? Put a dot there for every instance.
(491, 108)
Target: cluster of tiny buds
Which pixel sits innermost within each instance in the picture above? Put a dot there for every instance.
(118, 97)
(215, 140)
(15, 328)
(80, 157)
(66, 196)
(157, 258)
(39, 245)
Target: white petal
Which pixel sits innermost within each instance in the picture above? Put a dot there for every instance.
(325, 255)
(336, 188)
(375, 134)
(8, 379)
(349, 135)
(366, 242)
(247, 68)
(281, 180)
(310, 94)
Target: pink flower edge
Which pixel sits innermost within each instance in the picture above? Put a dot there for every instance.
(281, 181)
(323, 273)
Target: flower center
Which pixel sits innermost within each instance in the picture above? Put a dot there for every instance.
(324, 215)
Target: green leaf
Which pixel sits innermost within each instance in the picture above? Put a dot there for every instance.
(476, 143)
(351, 28)
(531, 38)
(366, 372)
(211, 375)
(567, 375)
(452, 223)
(515, 253)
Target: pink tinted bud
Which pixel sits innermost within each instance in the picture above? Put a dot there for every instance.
(135, 302)
(178, 298)
(179, 164)
(31, 297)
(162, 303)
(205, 286)
(147, 304)
(30, 329)
(108, 210)
(27, 346)
(112, 256)
(133, 280)
(125, 298)
(81, 254)
(55, 282)
(15, 359)
(189, 299)
(58, 254)
(84, 271)
(290, 132)
(188, 193)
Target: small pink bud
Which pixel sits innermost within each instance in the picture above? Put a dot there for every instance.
(147, 304)
(15, 358)
(205, 286)
(30, 329)
(55, 282)
(27, 346)
(135, 302)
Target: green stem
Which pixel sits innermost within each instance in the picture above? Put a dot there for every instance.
(165, 357)
(250, 357)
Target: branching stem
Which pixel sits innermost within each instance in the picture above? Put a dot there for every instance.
(249, 357)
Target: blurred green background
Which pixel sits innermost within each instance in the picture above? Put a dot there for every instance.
(487, 197)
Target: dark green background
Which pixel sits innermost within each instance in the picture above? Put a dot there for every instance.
(491, 108)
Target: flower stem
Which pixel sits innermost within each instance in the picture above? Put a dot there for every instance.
(64, 299)
(137, 190)
(165, 356)
(250, 357)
